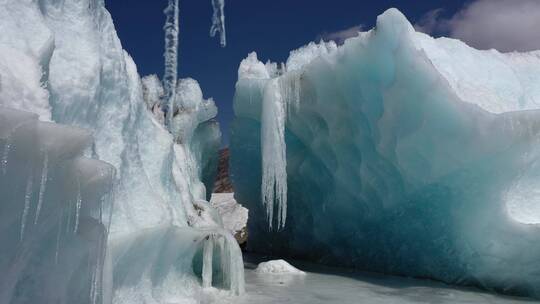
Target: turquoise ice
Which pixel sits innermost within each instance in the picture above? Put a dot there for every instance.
(404, 154)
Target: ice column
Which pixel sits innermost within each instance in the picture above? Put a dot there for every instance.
(218, 21)
(208, 251)
(274, 162)
(27, 198)
(42, 185)
(170, 77)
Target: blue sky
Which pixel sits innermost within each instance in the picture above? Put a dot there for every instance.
(270, 27)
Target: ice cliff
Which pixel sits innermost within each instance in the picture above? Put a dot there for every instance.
(396, 153)
(63, 61)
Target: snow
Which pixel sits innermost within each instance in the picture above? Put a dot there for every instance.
(234, 215)
(277, 267)
(306, 54)
(404, 154)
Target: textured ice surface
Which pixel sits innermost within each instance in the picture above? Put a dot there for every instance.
(55, 208)
(277, 267)
(326, 285)
(234, 215)
(63, 61)
(404, 154)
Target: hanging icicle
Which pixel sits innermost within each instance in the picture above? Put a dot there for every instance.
(274, 162)
(5, 154)
(78, 205)
(42, 185)
(208, 252)
(218, 21)
(27, 199)
(170, 77)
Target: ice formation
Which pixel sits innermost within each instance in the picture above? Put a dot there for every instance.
(63, 61)
(234, 215)
(277, 267)
(50, 250)
(218, 21)
(170, 77)
(404, 154)
(274, 173)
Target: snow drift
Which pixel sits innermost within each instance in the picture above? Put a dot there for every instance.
(396, 153)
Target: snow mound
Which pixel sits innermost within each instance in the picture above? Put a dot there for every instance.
(278, 267)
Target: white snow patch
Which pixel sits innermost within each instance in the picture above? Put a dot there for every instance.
(277, 267)
(234, 215)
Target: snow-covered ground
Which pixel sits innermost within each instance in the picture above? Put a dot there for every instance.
(325, 285)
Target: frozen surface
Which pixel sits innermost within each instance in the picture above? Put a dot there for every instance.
(338, 286)
(234, 215)
(277, 267)
(63, 61)
(404, 154)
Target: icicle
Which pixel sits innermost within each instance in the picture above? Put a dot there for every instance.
(97, 273)
(208, 250)
(70, 211)
(218, 21)
(297, 90)
(231, 256)
(5, 154)
(42, 185)
(224, 262)
(58, 234)
(78, 206)
(27, 198)
(274, 162)
(170, 77)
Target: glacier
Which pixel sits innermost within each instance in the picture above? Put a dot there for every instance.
(396, 153)
(100, 202)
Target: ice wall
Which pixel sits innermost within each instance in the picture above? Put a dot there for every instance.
(55, 208)
(63, 61)
(404, 154)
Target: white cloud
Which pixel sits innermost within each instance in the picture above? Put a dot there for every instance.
(506, 25)
(340, 36)
(430, 22)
